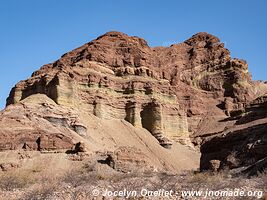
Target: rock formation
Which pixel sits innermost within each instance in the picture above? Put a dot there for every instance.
(242, 144)
(186, 93)
(37, 123)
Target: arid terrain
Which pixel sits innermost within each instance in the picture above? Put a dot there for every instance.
(117, 114)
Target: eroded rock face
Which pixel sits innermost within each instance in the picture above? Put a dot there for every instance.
(165, 90)
(37, 123)
(128, 159)
(187, 92)
(242, 144)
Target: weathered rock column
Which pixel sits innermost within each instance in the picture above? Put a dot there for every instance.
(65, 92)
(133, 110)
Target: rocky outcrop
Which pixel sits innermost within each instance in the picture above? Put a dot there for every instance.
(118, 76)
(128, 159)
(242, 144)
(38, 123)
(191, 92)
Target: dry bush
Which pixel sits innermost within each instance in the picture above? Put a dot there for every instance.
(76, 182)
(207, 177)
(73, 177)
(30, 174)
(212, 180)
(78, 177)
(15, 180)
(41, 192)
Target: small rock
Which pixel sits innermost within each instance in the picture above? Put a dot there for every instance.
(215, 165)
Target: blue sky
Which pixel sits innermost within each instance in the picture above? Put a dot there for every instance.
(36, 32)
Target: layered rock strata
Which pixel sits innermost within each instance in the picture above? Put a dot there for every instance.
(184, 93)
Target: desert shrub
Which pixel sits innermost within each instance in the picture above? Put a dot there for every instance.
(15, 180)
(73, 177)
(78, 177)
(42, 192)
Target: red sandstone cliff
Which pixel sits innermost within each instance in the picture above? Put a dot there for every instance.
(186, 93)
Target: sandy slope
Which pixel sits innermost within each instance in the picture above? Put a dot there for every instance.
(102, 135)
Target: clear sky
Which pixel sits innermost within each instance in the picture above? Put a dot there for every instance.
(36, 32)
